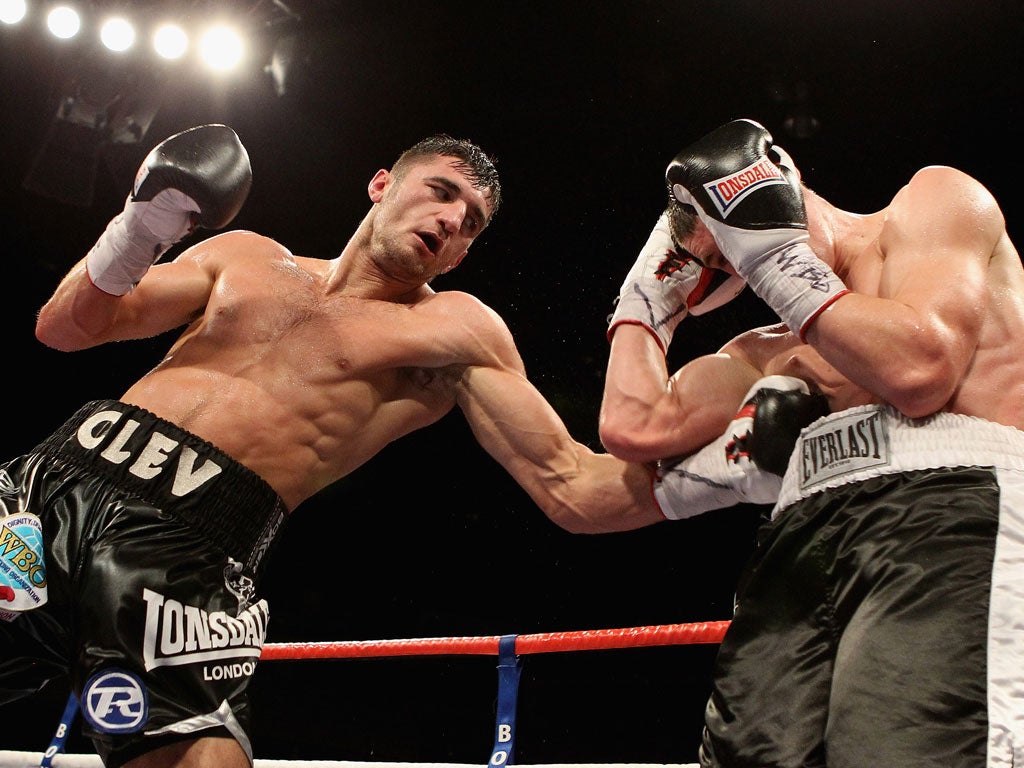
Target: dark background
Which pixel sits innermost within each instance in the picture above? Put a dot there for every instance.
(583, 105)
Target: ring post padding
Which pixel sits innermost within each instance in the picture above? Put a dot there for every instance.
(508, 692)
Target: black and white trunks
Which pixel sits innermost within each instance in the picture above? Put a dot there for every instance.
(153, 543)
(881, 618)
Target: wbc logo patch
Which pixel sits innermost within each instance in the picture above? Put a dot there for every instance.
(22, 567)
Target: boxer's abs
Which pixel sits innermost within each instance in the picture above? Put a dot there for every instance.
(298, 436)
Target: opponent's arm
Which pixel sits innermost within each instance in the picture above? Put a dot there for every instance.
(578, 489)
(665, 284)
(644, 415)
(587, 492)
(196, 178)
(647, 415)
(747, 462)
(913, 343)
(910, 344)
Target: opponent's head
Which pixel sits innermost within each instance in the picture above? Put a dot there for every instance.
(690, 238)
(712, 161)
(471, 160)
(682, 219)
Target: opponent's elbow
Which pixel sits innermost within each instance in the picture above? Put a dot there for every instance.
(629, 441)
(55, 331)
(49, 335)
(918, 403)
(570, 506)
(620, 500)
(587, 522)
(923, 390)
(572, 523)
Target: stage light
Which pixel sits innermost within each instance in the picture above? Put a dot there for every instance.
(221, 48)
(117, 34)
(170, 41)
(103, 101)
(63, 22)
(12, 11)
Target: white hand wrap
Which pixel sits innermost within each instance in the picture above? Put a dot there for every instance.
(722, 473)
(656, 292)
(136, 238)
(778, 264)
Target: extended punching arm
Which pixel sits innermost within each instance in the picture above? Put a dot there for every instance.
(747, 193)
(745, 464)
(665, 284)
(196, 178)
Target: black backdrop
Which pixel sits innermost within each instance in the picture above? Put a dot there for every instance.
(582, 105)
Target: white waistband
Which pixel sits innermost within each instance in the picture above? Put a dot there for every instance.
(873, 440)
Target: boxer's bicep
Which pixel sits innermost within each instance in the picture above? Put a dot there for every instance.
(936, 248)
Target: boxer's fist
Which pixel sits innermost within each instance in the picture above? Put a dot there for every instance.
(779, 408)
(199, 177)
(747, 193)
(735, 176)
(745, 464)
(208, 164)
(665, 284)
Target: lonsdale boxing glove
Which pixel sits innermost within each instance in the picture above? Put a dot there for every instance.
(747, 192)
(196, 178)
(745, 464)
(665, 284)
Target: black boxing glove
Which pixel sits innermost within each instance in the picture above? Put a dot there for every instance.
(196, 178)
(745, 464)
(747, 192)
(665, 284)
(779, 415)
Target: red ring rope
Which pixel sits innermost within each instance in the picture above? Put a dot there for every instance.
(544, 642)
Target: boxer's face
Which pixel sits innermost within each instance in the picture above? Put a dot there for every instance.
(702, 245)
(429, 214)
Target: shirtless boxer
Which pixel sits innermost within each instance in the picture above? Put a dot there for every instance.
(879, 621)
(143, 522)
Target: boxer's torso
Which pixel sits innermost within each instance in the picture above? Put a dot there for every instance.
(303, 383)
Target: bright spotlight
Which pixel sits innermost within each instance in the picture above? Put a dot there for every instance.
(64, 22)
(221, 48)
(170, 41)
(12, 11)
(117, 34)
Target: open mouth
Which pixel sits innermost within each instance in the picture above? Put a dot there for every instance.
(432, 241)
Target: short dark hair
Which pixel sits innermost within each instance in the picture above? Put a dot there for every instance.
(471, 160)
(681, 219)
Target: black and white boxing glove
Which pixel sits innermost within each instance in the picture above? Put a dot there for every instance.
(196, 178)
(666, 284)
(746, 464)
(747, 192)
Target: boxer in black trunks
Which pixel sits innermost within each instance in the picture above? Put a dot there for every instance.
(878, 622)
(138, 538)
(156, 509)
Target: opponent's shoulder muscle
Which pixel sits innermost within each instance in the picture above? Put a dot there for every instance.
(942, 217)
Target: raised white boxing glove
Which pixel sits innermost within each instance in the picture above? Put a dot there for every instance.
(747, 192)
(745, 465)
(665, 284)
(196, 178)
